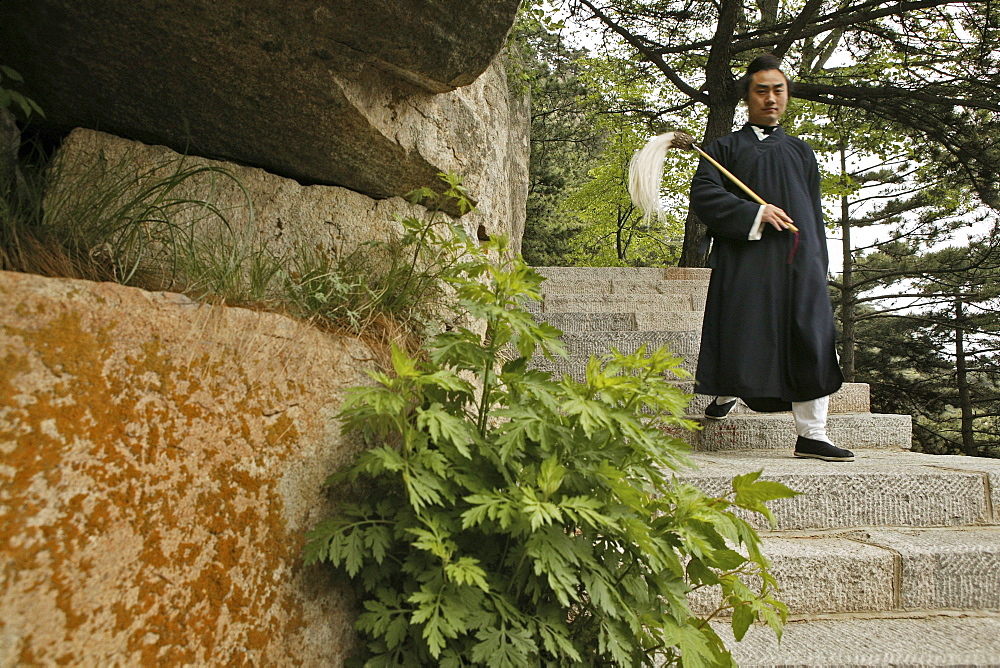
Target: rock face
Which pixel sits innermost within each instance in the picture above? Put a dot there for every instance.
(332, 92)
(160, 461)
(263, 210)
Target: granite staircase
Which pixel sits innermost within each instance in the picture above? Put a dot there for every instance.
(891, 560)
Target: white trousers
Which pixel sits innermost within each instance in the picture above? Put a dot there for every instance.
(810, 417)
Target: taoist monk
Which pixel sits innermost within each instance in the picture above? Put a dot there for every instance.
(768, 335)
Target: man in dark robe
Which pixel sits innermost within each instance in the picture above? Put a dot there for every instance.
(768, 335)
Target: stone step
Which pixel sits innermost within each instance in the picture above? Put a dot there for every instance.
(881, 488)
(586, 275)
(851, 398)
(970, 640)
(624, 286)
(776, 431)
(882, 570)
(628, 303)
(581, 345)
(664, 321)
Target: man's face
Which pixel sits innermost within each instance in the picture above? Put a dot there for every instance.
(768, 97)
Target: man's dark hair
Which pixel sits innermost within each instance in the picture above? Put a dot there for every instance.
(766, 61)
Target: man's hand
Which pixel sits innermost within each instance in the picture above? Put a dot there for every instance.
(777, 218)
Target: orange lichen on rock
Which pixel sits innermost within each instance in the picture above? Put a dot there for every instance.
(159, 462)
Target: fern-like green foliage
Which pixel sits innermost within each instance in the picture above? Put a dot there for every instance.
(502, 517)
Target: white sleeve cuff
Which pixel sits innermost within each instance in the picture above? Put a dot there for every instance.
(758, 226)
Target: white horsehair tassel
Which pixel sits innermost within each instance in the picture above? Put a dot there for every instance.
(645, 174)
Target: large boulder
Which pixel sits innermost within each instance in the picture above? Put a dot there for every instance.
(160, 462)
(334, 92)
(259, 211)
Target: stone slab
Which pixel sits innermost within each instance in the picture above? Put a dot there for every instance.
(945, 568)
(581, 345)
(881, 488)
(668, 321)
(648, 273)
(627, 286)
(988, 468)
(817, 574)
(577, 284)
(851, 398)
(592, 322)
(585, 274)
(855, 571)
(628, 304)
(765, 431)
(624, 286)
(939, 641)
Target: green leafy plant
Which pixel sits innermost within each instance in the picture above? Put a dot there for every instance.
(501, 517)
(12, 98)
(398, 280)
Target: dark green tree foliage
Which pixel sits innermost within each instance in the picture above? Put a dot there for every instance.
(935, 355)
(928, 66)
(880, 187)
(505, 518)
(588, 117)
(903, 330)
(565, 140)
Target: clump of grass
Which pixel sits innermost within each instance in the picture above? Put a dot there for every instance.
(389, 290)
(109, 221)
(159, 228)
(164, 229)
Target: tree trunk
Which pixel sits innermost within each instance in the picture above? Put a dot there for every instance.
(723, 97)
(694, 253)
(847, 318)
(962, 378)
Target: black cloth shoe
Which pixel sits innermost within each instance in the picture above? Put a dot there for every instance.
(717, 411)
(807, 447)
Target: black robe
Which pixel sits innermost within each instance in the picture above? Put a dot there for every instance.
(768, 332)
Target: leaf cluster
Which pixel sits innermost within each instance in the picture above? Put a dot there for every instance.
(10, 98)
(502, 517)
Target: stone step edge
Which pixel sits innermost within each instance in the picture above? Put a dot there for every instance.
(634, 303)
(890, 614)
(649, 322)
(904, 569)
(882, 488)
(612, 287)
(850, 398)
(938, 641)
(776, 431)
(877, 615)
(667, 273)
